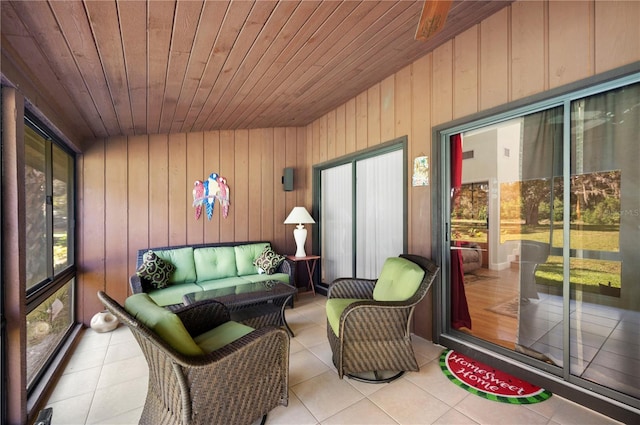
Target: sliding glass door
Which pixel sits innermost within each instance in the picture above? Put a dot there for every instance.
(362, 210)
(542, 228)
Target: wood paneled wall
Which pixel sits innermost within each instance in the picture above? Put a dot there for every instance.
(135, 193)
(524, 49)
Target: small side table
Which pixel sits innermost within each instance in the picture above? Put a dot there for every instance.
(310, 261)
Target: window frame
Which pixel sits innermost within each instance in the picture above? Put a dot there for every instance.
(443, 333)
(44, 289)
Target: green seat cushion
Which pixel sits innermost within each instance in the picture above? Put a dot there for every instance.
(335, 307)
(222, 283)
(182, 259)
(398, 281)
(282, 277)
(222, 335)
(215, 263)
(246, 256)
(163, 322)
(172, 294)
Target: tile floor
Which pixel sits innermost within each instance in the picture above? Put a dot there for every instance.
(106, 379)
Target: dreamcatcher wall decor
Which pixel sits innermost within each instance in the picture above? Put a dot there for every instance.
(206, 192)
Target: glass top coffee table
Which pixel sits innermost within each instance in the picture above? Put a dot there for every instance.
(254, 304)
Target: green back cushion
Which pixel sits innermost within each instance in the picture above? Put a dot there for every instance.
(398, 280)
(335, 307)
(245, 257)
(182, 259)
(222, 335)
(163, 322)
(215, 263)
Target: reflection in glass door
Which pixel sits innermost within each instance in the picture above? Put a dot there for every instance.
(544, 215)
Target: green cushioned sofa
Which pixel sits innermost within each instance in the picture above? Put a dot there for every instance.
(207, 266)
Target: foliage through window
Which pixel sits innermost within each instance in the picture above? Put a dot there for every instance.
(50, 284)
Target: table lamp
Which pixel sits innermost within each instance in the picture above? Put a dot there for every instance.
(299, 216)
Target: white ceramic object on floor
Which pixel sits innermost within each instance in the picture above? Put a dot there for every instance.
(104, 322)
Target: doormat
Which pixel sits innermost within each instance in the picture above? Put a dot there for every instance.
(507, 308)
(487, 382)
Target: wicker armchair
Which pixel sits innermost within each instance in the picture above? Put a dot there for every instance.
(374, 336)
(236, 384)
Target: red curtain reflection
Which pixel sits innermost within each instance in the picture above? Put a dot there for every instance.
(460, 316)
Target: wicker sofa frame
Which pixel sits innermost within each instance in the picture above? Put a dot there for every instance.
(237, 384)
(376, 336)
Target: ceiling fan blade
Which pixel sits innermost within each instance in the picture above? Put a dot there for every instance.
(433, 18)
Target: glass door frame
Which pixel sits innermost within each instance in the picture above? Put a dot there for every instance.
(547, 376)
(398, 144)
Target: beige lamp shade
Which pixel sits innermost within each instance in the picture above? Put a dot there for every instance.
(299, 216)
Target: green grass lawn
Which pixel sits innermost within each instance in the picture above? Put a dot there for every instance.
(584, 273)
(587, 274)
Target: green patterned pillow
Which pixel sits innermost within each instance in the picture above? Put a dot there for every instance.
(156, 270)
(269, 260)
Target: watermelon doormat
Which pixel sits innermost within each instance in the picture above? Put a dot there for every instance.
(485, 381)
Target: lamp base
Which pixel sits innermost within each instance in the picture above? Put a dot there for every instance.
(300, 236)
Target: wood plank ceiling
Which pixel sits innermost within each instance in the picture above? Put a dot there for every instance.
(145, 67)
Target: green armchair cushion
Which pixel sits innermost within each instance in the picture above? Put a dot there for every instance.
(215, 263)
(163, 322)
(222, 335)
(398, 280)
(182, 259)
(246, 256)
(335, 307)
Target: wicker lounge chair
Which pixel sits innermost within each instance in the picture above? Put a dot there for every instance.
(236, 384)
(374, 336)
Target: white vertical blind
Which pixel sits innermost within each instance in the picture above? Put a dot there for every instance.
(336, 222)
(379, 212)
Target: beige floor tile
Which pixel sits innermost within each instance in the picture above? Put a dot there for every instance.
(363, 412)
(572, 413)
(431, 379)
(116, 400)
(74, 384)
(491, 412)
(123, 371)
(365, 388)
(71, 411)
(298, 320)
(453, 417)
(91, 340)
(323, 352)
(86, 359)
(304, 365)
(313, 335)
(426, 348)
(122, 351)
(408, 404)
(295, 346)
(131, 417)
(293, 414)
(326, 395)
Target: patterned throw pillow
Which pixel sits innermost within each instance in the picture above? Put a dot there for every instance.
(156, 270)
(269, 260)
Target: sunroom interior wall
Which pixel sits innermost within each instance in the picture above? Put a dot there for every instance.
(524, 49)
(136, 192)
